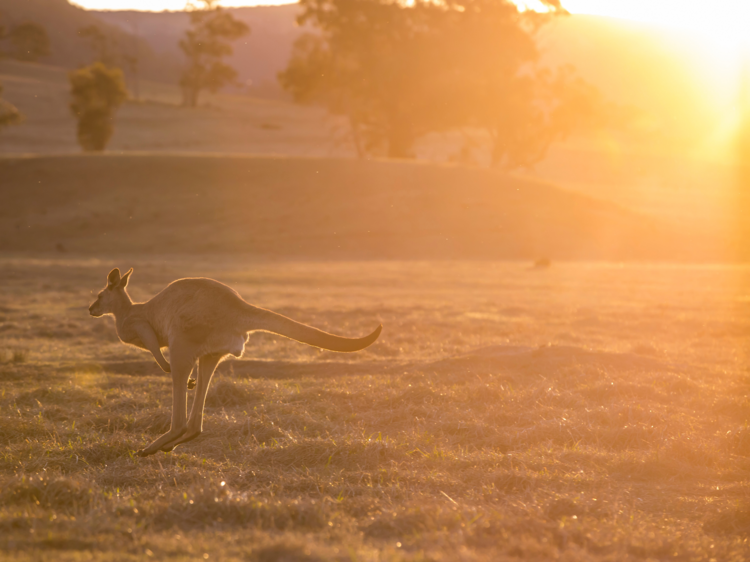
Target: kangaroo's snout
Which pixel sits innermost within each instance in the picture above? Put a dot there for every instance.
(94, 310)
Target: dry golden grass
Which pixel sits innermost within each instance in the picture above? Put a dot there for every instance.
(579, 412)
(315, 208)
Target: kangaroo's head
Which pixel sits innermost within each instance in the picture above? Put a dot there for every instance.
(113, 295)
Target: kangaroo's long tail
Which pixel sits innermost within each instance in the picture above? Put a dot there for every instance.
(269, 321)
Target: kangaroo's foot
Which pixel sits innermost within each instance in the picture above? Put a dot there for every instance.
(189, 436)
(163, 441)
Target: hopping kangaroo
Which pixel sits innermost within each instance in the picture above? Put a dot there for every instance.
(199, 320)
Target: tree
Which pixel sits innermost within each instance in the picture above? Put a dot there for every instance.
(9, 114)
(399, 71)
(3, 35)
(30, 41)
(97, 92)
(102, 45)
(378, 63)
(204, 45)
(500, 88)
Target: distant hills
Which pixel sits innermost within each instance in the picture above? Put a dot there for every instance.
(153, 37)
(632, 63)
(62, 21)
(258, 57)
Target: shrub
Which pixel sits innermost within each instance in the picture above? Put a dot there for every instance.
(9, 114)
(97, 90)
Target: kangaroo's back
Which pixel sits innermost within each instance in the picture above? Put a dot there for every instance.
(214, 316)
(193, 303)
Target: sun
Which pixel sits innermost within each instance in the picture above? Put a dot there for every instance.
(723, 23)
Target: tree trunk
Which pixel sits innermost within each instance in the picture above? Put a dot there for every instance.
(497, 150)
(400, 141)
(190, 96)
(356, 138)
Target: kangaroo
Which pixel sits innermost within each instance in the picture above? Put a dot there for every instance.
(199, 320)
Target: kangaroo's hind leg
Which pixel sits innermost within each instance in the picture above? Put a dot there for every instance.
(206, 367)
(191, 380)
(182, 362)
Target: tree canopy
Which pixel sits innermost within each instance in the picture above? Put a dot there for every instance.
(399, 71)
(205, 44)
(102, 45)
(29, 41)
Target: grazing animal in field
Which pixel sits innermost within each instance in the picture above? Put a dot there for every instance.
(199, 320)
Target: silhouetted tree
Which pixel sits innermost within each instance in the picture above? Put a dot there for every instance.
(204, 45)
(399, 71)
(29, 41)
(376, 62)
(133, 59)
(131, 63)
(102, 45)
(97, 92)
(9, 114)
(535, 110)
(3, 35)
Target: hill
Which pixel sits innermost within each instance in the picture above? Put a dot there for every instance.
(308, 208)
(62, 20)
(258, 57)
(224, 122)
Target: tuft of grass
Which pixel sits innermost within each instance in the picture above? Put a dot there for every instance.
(69, 495)
(225, 393)
(212, 503)
(16, 356)
(19, 356)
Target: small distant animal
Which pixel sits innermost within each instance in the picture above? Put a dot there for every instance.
(204, 321)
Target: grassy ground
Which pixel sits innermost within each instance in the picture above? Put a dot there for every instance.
(316, 208)
(223, 123)
(577, 412)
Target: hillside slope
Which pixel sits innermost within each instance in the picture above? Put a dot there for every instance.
(223, 123)
(258, 57)
(311, 208)
(62, 20)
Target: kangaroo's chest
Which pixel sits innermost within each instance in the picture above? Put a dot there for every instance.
(131, 338)
(127, 334)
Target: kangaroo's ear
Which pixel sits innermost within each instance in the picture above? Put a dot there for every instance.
(113, 278)
(124, 280)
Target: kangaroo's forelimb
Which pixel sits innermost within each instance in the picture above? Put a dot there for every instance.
(151, 342)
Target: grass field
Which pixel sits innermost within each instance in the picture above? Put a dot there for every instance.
(332, 208)
(316, 208)
(224, 123)
(577, 412)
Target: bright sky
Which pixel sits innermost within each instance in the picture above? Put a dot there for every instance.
(725, 21)
(717, 29)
